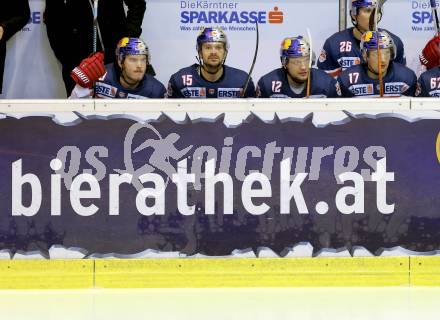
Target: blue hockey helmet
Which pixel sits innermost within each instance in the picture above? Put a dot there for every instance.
(212, 35)
(294, 47)
(131, 46)
(369, 42)
(355, 5)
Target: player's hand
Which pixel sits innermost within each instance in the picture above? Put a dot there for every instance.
(89, 71)
(2, 31)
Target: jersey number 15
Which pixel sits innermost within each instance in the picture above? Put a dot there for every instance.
(187, 80)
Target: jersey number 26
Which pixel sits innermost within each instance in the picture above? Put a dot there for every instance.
(345, 46)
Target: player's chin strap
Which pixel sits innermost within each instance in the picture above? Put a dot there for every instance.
(257, 42)
(373, 26)
(202, 66)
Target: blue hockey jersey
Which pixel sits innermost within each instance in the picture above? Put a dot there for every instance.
(342, 51)
(108, 87)
(187, 83)
(398, 81)
(428, 84)
(276, 85)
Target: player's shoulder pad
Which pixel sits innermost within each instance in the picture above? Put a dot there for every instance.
(322, 74)
(340, 35)
(236, 72)
(110, 73)
(154, 82)
(187, 70)
(356, 68)
(434, 72)
(271, 75)
(401, 70)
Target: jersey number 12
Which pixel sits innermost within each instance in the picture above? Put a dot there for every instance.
(276, 86)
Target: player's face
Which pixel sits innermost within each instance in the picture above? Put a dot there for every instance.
(385, 55)
(213, 54)
(133, 68)
(363, 18)
(298, 68)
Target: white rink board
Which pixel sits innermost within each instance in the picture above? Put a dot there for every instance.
(232, 304)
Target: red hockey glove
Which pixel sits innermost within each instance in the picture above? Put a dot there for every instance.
(89, 70)
(430, 56)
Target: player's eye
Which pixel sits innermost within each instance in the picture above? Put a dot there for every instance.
(300, 62)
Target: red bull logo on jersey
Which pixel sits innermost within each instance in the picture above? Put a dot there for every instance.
(214, 13)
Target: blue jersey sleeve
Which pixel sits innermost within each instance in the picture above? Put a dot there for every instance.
(420, 92)
(261, 89)
(173, 90)
(161, 92)
(427, 85)
(343, 85)
(400, 54)
(250, 90)
(326, 60)
(412, 82)
(334, 90)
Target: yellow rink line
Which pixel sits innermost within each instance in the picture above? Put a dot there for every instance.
(219, 273)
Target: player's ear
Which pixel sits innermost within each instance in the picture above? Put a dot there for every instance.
(353, 19)
(379, 15)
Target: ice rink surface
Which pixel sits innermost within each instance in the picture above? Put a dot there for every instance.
(226, 304)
